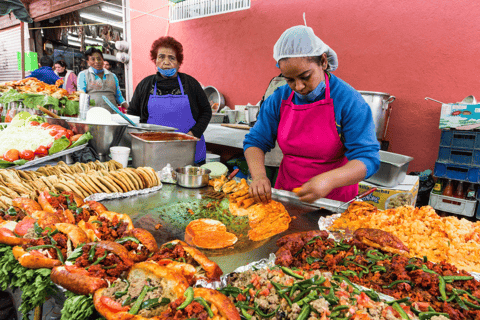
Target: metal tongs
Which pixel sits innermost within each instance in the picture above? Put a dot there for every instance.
(360, 196)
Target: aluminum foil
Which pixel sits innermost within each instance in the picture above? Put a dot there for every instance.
(109, 196)
(260, 264)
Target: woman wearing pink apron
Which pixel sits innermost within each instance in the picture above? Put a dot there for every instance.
(323, 126)
(170, 98)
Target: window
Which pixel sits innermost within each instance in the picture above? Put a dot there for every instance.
(192, 9)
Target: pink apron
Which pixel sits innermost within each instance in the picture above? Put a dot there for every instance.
(309, 140)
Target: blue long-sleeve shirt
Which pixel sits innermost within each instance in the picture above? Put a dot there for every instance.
(353, 118)
(82, 83)
(45, 74)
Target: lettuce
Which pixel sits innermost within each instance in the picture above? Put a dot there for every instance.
(87, 136)
(59, 145)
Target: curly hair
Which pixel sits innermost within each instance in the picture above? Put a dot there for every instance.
(167, 42)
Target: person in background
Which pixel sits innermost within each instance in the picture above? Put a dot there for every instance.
(323, 126)
(45, 72)
(98, 82)
(69, 78)
(171, 98)
(107, 66)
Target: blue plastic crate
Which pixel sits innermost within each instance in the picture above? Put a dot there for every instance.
(460, 139)
(457, 172)
(470, 157)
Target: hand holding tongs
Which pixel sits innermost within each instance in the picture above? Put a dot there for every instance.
(360, 196)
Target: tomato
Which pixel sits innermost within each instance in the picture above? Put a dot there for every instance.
(59, 135)
(45, 125)
(11, 155)
(27, 155)
(113, 305)
(49, 145)
(69, 134)
(34, 123)
(41, 151)
(22, 227)
(75, 137)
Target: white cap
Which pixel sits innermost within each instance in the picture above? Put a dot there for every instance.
(301, 41)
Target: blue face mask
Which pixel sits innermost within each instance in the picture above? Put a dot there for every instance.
(167, 73)
(96, 71)
(314, 94)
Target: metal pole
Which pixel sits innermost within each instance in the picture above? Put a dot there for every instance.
(22, 53)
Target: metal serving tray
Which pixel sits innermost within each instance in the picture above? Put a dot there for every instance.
(393, 169)
(47, 158)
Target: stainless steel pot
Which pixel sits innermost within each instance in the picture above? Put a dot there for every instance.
(379, 103)
(192, 177)
(215, 96)
(157, 149)
(126, 140)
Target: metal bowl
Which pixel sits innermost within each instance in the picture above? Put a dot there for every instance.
(192, 177)
(104, 135)
(62, 121)
(215, 96)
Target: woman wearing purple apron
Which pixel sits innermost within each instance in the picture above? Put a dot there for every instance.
(170, 98)
(323, 126)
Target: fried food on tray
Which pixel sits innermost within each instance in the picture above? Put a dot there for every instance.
(220, 306)
(188, 260)
(209, 234)
(51, 247)
(147, 283)
(380, 239)
(107, 226)
(140, 244)
(92, 266)
(267, 220)
(449, 239)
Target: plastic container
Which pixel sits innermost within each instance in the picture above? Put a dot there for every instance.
(120, 154)
(460, 139)
(212, 158)
(453, 205)
(457, 172)
(459, 156)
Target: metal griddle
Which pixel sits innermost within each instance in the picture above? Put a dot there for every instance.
(149, 210)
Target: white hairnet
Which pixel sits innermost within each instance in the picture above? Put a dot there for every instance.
(301, 41)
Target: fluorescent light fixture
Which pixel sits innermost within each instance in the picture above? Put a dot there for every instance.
(112, 11)
(94, 42)
(100, 19)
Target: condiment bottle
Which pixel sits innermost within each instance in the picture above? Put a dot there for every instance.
(448, 190)
(459, 192)
(470, 192)
(437, 188)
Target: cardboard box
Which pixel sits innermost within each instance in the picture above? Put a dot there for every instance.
(384, 198)
(455, 115)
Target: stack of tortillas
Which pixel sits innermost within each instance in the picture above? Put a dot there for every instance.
(209, 234)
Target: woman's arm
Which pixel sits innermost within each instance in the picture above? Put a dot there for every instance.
(321, 185)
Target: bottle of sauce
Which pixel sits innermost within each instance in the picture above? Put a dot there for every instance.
(471, 192)
(448, 190)
(459, 193)
(438, 187)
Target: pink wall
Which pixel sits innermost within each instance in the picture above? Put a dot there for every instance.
(410, 49)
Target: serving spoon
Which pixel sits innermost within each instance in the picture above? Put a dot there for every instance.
(114, 108)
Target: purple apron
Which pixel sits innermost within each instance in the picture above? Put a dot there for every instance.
(174, 111)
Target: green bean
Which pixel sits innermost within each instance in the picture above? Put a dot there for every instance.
(430, 314)
(394, 283)
(470, 304)
(402, 312)
(304, 313)
(457, 278)
(188, 294)
(442, 288)
(205, 305)
(290, 272)
(138, 303)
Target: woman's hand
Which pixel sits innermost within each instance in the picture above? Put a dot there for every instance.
(261, 189)
(317, 187)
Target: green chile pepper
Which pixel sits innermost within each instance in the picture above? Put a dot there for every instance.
(153, 303)
(119, 294)
(402, 312)
(125, 239)
(291, 273)
(394, 283)
(430, 314)
(138, 303)
(91, 253)
(49, 246)
(246, 314)
(305, 312)
(205, 305)
(188, 298)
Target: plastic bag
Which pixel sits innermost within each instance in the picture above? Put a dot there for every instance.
(167, 175)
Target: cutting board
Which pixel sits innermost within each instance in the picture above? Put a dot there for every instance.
(236, 126)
